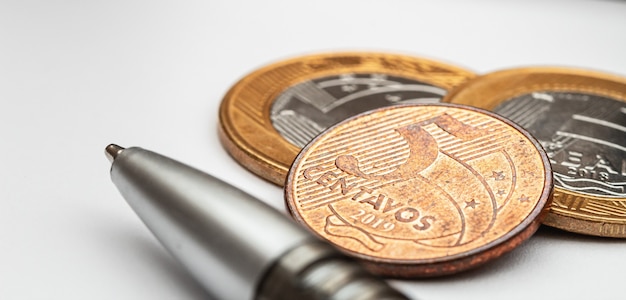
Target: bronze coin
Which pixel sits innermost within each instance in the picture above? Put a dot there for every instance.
(579, 117)
(270, 114)
(421, 190)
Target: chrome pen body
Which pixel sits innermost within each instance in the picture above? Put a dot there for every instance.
(236, 246)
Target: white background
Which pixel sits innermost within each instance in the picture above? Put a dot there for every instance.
(77, 75)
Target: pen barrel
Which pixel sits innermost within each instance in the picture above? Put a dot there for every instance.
(236, 246)
(226, 238)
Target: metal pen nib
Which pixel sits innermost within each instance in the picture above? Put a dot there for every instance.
(111, 151)
(236, 246)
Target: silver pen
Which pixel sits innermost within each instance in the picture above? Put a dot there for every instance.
(236, 246)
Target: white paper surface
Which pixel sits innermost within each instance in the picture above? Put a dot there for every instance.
(77, 75)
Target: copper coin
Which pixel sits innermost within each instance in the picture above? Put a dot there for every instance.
(421, 190)
(579, 117)
(270, 114)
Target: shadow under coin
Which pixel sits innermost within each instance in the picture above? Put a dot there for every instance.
(562, 235)
(508, 261)
(527, 252)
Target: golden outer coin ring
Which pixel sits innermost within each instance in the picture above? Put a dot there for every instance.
(421, 268)
(246, 130)
(489, 90)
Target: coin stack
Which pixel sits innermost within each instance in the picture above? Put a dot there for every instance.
(421, 169)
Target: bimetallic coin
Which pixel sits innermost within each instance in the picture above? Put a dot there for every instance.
(421, 190)
(268, 116)
(580, 119)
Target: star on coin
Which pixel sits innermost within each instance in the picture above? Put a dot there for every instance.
(524, 198)
(348, 88)
(471, 204)
(498, 175)
(393, 98)
(501, 192)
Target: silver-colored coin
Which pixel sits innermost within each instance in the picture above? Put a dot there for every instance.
(583, 134)
(306, 109)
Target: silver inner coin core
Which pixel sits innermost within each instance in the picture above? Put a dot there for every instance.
(583, 134)
(306, 109)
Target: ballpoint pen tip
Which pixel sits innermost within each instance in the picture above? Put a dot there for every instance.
(112, 151)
